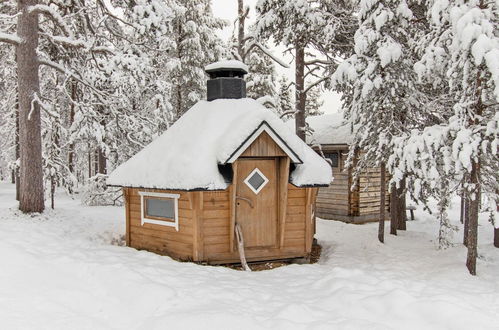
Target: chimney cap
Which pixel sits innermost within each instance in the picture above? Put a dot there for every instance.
(227, 65)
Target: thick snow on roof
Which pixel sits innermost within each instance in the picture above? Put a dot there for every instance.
(227, 64)
(187, 155)
(329, 129)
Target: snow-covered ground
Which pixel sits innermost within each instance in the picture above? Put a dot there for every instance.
(66, 269)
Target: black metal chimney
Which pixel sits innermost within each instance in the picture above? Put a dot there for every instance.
(226, 80)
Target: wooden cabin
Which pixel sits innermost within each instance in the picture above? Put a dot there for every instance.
(228, 162)
(331, 137)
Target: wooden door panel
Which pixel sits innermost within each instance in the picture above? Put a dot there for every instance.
(257, 212)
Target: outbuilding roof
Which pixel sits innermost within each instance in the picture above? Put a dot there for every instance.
(189, 154)
(330, 129)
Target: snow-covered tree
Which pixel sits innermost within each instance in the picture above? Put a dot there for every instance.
(379, 85)
(285, 102)
(326, 26)
(196, 45)
(100, 47)
(314, 102)
(462, 51)
(261, 82)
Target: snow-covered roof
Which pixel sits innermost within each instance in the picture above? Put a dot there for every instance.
(329, 129)
(227, 64)
(187, 155)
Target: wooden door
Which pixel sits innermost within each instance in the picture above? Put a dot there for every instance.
(256, 201)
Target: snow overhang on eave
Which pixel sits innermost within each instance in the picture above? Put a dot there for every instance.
(264, 127)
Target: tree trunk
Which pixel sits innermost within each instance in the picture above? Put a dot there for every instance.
(101, 162)
(381, 229)
(31, 173)
(300, 89)
(472, 238)
(496, 237)
(52, 192)
(394, 210)
(461, 214)
(71, 120)
(241, 17)
(466, 217)
(402, 207)
(18, 150)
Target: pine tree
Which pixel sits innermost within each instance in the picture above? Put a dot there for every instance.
(196, 45)
(285, 103)
(325, 25)
(379, 85)
(314, 102)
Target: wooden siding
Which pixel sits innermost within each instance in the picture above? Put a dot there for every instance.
(207, 218)
(263, 146)
(338, 202)
(161, 239)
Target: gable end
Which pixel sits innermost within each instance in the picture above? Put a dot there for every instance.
(264, 127)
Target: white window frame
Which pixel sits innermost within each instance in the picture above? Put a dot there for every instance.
(246, 181)
(144, 219)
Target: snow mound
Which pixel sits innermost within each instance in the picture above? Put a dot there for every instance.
(227, 64)
(187, 156)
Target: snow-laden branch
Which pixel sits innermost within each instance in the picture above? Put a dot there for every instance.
(318, 82)
(53, 15)
(268, 53)
(10, 39)
(74, 75)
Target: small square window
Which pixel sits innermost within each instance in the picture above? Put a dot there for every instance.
(334, 158)
(159, 208)
(256, 180)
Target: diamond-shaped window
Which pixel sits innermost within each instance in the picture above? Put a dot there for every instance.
(256, 181)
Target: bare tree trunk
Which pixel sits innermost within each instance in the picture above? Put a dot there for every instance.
(463, 203)
(52, 192)
(300, 91)
(466, 219)
(71, 120)
(101, 162)
(241, 17)
(402, 207)
(472, 239)
(496, 237)
(472, 218)
(18, 150)
(394, 210)
(381, 229)
(31, 176)
(89, 159)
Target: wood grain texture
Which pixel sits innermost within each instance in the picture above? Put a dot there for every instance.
(263, 146)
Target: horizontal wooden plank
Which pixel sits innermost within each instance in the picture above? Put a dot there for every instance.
(295, 234)
(211, 249)
(291, 226)
(215, 196)
(221, 239)
(291, 218)
(176, 236)
(295, 242)
(216, 205)
(296, 201)
(215, 231)
(216, 222)
(296, 210)
(292, 193)
(216, 214)
(165, 246)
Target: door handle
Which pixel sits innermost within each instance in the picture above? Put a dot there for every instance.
(246, 200)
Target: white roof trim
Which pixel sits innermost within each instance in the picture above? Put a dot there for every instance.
(264, 127)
